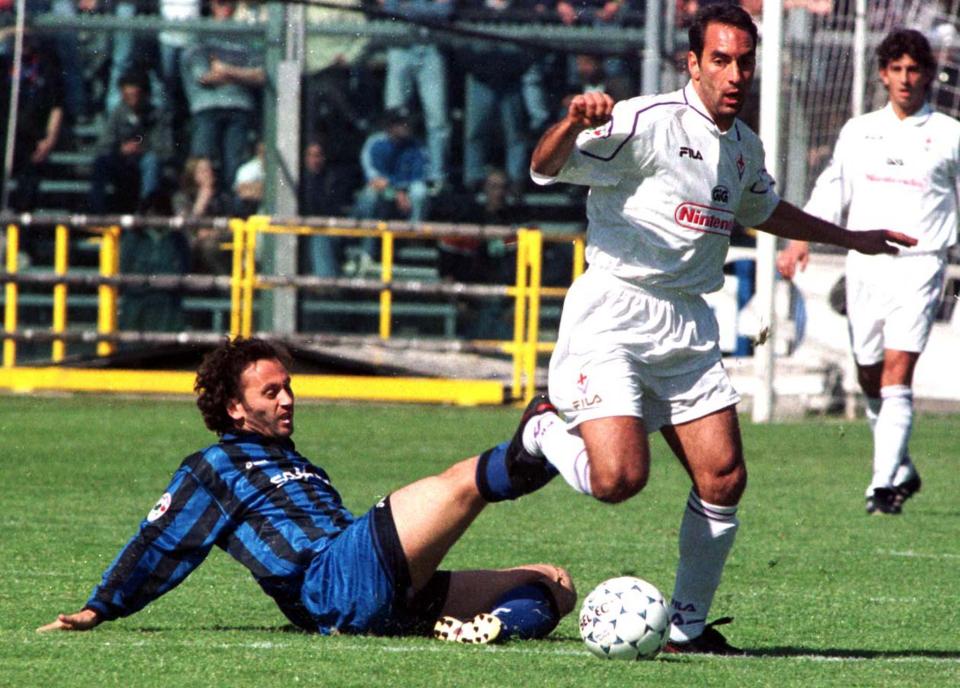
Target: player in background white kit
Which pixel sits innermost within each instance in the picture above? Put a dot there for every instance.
(899, 165)
(637, 349)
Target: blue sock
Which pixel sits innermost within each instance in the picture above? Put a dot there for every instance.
(492, 479)
(527, 611)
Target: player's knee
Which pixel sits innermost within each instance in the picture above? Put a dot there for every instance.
(726, 487)
(618, 484)
(561, 586)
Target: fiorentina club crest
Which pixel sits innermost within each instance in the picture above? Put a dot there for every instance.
(741, 165)
(586, 400)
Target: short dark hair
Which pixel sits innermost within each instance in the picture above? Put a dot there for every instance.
(218, 377)
(134, 77)
(719, 13)
(900, 42)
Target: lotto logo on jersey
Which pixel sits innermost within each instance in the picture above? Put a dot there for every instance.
(704, 218)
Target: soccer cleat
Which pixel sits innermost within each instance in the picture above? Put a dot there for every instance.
(527, 472)
(482, 629)
(710, 642)
(884, 501)
(906, 490)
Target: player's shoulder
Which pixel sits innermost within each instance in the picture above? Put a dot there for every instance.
(652, 107)
(944, 122)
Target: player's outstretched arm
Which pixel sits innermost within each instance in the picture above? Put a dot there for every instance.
(83, 620)
(585, 111)
(790, 222)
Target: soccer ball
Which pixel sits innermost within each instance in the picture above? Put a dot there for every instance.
(625, 618)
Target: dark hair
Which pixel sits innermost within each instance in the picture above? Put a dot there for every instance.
(902, 42)
(134, 77)
(218, 377)
(719, 13)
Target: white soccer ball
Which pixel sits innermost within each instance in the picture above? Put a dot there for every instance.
(625, 618)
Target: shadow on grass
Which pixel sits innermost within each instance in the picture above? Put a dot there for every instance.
(850, 653)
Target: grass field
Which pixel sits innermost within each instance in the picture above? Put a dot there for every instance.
(822, 594)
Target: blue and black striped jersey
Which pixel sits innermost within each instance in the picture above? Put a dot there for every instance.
(257, 499)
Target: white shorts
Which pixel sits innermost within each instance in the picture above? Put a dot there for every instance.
(891, 302)
(627, 351)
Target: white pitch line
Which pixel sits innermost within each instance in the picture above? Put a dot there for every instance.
(918, 555)
(527, 649)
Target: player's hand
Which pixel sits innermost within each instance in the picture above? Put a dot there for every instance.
(880, 241)
(795, 255)
(588, 110)
(83, 620)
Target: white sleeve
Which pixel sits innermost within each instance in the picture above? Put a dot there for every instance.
(760, 197)
(831, 194)
(601, 156)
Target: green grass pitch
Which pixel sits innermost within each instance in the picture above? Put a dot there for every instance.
(823, 595)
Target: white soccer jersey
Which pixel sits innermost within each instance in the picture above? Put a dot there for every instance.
(666, 188)
(889, 173)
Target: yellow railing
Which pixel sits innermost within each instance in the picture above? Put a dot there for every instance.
(527, 291)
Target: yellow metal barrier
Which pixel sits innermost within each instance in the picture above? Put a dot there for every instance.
(60, 258)
(106, 293)
(10, 298)
(524, 348)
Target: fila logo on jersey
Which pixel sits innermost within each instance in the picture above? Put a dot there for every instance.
(704, 218)
(690, 153)
(720, 194)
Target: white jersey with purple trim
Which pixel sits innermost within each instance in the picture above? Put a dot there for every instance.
(666, 189)
(897, 174)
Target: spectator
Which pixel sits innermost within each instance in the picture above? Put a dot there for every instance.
(198, 197)
(153, 251)
(135, 142)
(395, 168)
(39, 121)
(422, 66)
(326, 190)
(619, 81)
(248, 184)
(496, 77)
(335, 90)
(221, 77)
(171, 46)
(483, 261)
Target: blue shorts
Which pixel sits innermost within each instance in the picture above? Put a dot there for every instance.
(361, 583)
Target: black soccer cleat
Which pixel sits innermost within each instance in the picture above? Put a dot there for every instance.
(906, 490)
(528, 473)
(710, 642)
(884, 501)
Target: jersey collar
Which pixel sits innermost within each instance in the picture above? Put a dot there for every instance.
(693, 101)
(918, 118)
(255, 438)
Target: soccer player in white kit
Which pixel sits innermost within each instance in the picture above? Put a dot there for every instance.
(900, 164)
(637, 349)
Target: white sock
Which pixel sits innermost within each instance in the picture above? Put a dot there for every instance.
(894, 423)
(905, 471)
(872, 411)
(547, 435)
(707, 532)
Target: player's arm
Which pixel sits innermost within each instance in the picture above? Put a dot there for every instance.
(172, 541)
(789, 222)
(585, 111)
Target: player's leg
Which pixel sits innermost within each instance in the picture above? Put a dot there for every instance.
(522, 602)
(711, 451)
(431, 514)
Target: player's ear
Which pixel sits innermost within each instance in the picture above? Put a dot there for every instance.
(236, 411)
(693, 65)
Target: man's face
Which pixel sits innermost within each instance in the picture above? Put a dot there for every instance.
(906, 82)
(131, 95)
(314, 158)
(266, 406)
(723, 74)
